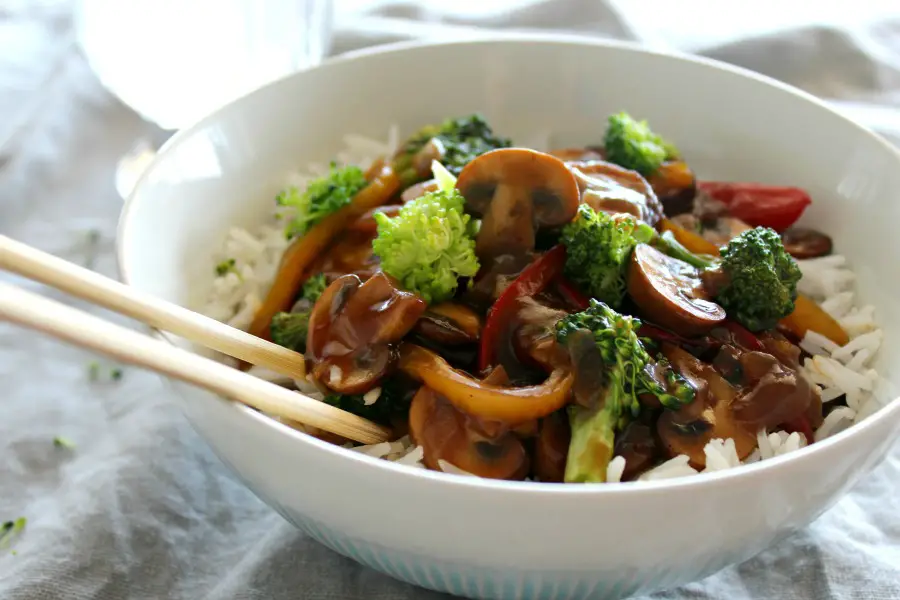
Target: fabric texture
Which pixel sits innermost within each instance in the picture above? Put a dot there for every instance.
(140, 507)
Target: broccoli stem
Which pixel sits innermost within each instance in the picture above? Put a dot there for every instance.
(593, 441)
(670, 246)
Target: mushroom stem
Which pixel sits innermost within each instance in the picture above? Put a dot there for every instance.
(508, 226)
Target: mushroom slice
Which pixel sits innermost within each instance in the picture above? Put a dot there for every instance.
(610, 188)
(708, 417)
(588, 153)
(450, 323)
(804, 243)
(353, 328)
(447, 434)
(517, 191)
(670, 292)
(551, 449)
(675, 186)
(418, 190)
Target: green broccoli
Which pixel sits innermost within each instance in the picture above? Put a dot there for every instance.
(225, 267)
(627, 375)
(631, 144)
(393, 398)
(430, 244)
(761, 278)
(321, 198)
(454, 143)
(598, 247)
(314, 287)
(289, 329)
(755, 279)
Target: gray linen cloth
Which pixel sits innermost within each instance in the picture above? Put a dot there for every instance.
(140, 508)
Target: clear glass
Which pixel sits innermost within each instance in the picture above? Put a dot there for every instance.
(174, 61)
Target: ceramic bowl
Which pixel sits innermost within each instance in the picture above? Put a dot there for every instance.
(491, 539)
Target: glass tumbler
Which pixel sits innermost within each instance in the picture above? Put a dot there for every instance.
(175, 61)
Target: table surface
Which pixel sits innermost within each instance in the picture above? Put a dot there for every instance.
(140, 508)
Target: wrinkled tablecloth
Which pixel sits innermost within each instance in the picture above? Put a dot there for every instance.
(140, 507)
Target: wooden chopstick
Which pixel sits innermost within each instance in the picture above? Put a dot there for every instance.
(100, 290)
(87, 331)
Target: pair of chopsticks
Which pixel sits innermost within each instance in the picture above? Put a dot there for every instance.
(82, 329)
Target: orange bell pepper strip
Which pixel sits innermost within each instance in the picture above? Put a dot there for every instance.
(491, 402)
(809, 316)
(294, 267)
(692, 241)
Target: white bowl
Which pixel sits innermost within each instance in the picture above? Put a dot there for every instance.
(492, 539)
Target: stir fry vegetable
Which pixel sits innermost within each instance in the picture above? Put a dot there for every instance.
(775, 207)
(323, 197)
(633, 145)
(519, 313)
(598, 247)
(430, 244)
(600, 338)
(453, 143)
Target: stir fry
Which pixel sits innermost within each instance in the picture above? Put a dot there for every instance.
(525, 314)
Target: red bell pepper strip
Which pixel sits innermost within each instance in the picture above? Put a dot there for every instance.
(532, 280)
(759, 205)
(744, 337)
(571, 294)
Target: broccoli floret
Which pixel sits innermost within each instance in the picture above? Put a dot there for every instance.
(627, 374)
(314, 287)
(225, 267)
(631, 144)
(455, 142)
(757, 282)
(289, 329)
(321, 198)
(598, 247)
(761, 279)
(379, 405)
(430, 244)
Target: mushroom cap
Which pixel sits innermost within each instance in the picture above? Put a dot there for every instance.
(670, 293)
(447, 434)
(352, 327)
(608, 187)
(541, 178)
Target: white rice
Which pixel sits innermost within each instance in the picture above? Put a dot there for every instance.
(837, 371)
(614, 469)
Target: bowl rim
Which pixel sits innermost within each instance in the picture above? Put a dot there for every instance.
(745, 473)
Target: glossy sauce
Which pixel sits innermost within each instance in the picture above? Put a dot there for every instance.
(445, 433)
(352, 328)
(610, 188)
(671, 293)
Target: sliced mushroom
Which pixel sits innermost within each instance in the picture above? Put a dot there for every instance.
(803, 243)
(775, 394)
(552, 448)
(708, 417)
(445, 434)
(366, 224)
(351, 253)
(352, 329)
(675, 186)
(534, 340)
(610, 188)
(579, 154)
(450, 323)
(418, 190)
(637, 445)
(516, 191)
(670, 292)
